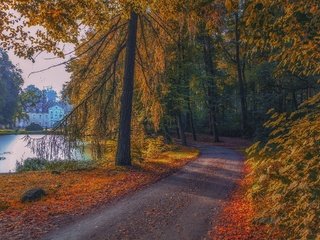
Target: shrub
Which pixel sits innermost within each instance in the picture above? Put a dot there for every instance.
(36, 164)
(286, 172)
(34, 127)
(154, 147)
(150, 147)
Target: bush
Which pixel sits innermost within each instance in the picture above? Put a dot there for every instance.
(154, 147)
(150, 147)
(34, 127)
(286, 172)
(36, 164)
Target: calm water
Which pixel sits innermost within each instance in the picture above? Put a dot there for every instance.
(13, 149)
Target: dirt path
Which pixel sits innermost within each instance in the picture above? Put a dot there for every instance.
(180, 206)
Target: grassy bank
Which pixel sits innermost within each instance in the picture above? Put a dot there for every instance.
(18, 132)
(36, 164)
(76, 192)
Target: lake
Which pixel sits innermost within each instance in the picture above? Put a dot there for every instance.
(12, 149)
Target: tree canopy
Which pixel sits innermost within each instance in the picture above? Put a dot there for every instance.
(165, 69)
(10, 86)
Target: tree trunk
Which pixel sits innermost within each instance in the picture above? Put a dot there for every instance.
(166, 133)
(193, 130)
(181, 131)
(240, 78)
(207, 53)
(294, 100)
(123, 156)
(177, 129)
(215, 128)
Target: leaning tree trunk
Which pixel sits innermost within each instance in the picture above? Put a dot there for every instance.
(123, 156)
(240, 78)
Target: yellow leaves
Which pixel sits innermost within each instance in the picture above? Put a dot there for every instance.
(55, 13)
(289, 31)
(228, 5)
(231, 5)
(291, 169)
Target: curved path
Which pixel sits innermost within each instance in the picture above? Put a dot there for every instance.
(181, 206)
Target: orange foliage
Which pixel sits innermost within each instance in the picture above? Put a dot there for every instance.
(236, 221)
(71, 194)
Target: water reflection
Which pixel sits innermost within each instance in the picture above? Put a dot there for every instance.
(12, 149)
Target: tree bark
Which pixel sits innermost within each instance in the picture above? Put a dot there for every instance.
(166, 133)
(123, 156)
(177, 129)
(294, 100)
(240, 77)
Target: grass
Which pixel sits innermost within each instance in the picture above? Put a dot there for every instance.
(17, 132)
(76, 192)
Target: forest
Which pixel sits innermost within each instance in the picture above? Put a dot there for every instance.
(150, 73)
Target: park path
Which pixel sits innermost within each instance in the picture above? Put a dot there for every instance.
(181, 206)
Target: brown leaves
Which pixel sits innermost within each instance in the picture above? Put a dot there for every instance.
(74, 193)
(236, 220)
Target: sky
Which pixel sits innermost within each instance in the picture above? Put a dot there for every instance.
(54, 77)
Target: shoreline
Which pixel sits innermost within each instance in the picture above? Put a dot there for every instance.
(21, 132)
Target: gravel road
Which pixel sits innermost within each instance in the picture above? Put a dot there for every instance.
(181, 206)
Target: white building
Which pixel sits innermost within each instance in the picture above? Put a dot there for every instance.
(56, 114)
(45, 119)
(39, 118)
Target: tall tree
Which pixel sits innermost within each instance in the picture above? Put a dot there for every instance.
(240, 74)
(10, 86)
(123, 157)
(210, 84)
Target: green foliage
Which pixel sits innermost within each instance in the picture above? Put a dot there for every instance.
(286, 171)
(29, 97)
(36, 164)
(7, 132)
(10, 83)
